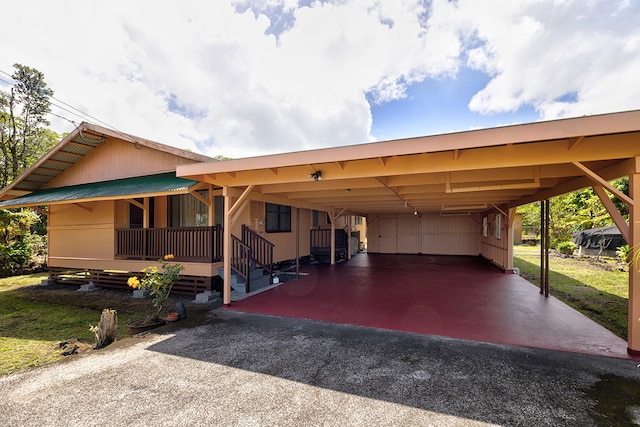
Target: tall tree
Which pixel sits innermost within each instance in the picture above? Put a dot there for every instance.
(23, 133)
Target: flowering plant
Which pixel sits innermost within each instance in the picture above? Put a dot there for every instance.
(157, 282)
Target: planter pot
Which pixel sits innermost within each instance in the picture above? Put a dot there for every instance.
(143, 325)
(173, 316)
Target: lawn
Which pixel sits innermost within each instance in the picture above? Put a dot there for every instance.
(597, 287)
(34, 319)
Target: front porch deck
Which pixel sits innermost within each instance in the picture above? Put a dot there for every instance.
(458, 297)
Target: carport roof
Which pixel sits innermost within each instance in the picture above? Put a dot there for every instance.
(452, 173)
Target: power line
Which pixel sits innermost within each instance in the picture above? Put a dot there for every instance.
(82, 114)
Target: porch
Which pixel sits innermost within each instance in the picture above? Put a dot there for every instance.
(454, 296)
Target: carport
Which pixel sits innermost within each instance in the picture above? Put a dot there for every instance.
(453, 296)
(458, 190)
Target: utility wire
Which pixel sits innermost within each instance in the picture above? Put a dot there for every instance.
(82, 114)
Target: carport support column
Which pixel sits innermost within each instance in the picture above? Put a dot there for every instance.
(226, 246)
(333, 238)
(633, 340)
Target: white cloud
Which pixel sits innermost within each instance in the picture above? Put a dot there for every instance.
(541, 52)
(249, 77)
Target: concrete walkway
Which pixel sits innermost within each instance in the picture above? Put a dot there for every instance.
(245, 369)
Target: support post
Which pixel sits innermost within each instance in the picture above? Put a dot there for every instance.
(544, 247)
(633, 338)
(333, 238)
(547, 246)
(542, 244)
(349, 236)
(226, 246)
(145, 213)
(297, 243)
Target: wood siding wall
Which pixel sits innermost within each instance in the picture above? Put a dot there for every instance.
(285, 243)
(116, 159)
(426, 234)
(85, 232)
(493, 248)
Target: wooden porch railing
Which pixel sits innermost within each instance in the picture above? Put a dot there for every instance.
(253, 251)
(261, 249)
(241, 260)
(195, 244)
(320, 240)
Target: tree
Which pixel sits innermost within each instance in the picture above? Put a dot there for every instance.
(23, 133)
(580, 210)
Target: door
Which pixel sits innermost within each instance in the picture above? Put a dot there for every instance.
(387, 235)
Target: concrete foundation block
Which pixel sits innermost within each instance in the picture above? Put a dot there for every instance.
(88, 287)
(140, 293)
(206, 297)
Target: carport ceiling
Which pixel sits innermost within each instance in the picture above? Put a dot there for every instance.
(458, 172)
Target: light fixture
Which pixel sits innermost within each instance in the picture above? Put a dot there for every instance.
(415, 211)
(317, 175)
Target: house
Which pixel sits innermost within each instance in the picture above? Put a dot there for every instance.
(115, 204)
(450, 194)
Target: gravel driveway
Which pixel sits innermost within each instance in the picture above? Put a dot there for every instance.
(242, 369)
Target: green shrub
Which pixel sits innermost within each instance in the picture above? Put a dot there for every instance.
(566, 248)
(623, 253)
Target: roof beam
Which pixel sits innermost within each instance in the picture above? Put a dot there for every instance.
(603, 182)
(614, 213)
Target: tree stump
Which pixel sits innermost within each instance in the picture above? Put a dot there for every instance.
(106, 329)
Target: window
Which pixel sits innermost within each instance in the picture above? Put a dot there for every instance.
(358, 220)
(187, 211)
(136, 215)
(498, 226)
(485, 226)
(315, 218)
(278, 218)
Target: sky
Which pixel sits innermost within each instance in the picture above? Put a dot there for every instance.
(241, 78)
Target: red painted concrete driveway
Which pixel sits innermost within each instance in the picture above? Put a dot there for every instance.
(459, 297)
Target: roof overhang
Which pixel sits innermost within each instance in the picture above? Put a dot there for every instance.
(72, 149)
(144, 186)
(458, 172)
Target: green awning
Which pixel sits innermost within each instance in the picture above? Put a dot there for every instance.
(151, 184)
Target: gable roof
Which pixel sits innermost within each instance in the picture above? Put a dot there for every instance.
(72, 149)
(459, 172)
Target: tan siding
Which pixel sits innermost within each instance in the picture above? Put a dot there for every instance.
(285, 243)
(429, 234)
(76, 232)
(118, 159)
(373, 231)
(496, 249)
(409, 234)
(450, 235)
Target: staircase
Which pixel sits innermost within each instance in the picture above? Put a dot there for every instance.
(257, 278)
(251, 261)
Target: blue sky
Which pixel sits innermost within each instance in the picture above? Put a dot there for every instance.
(437, 106)
(242, 78)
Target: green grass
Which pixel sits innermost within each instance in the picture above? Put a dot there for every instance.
(597, 287)
(35, 319)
